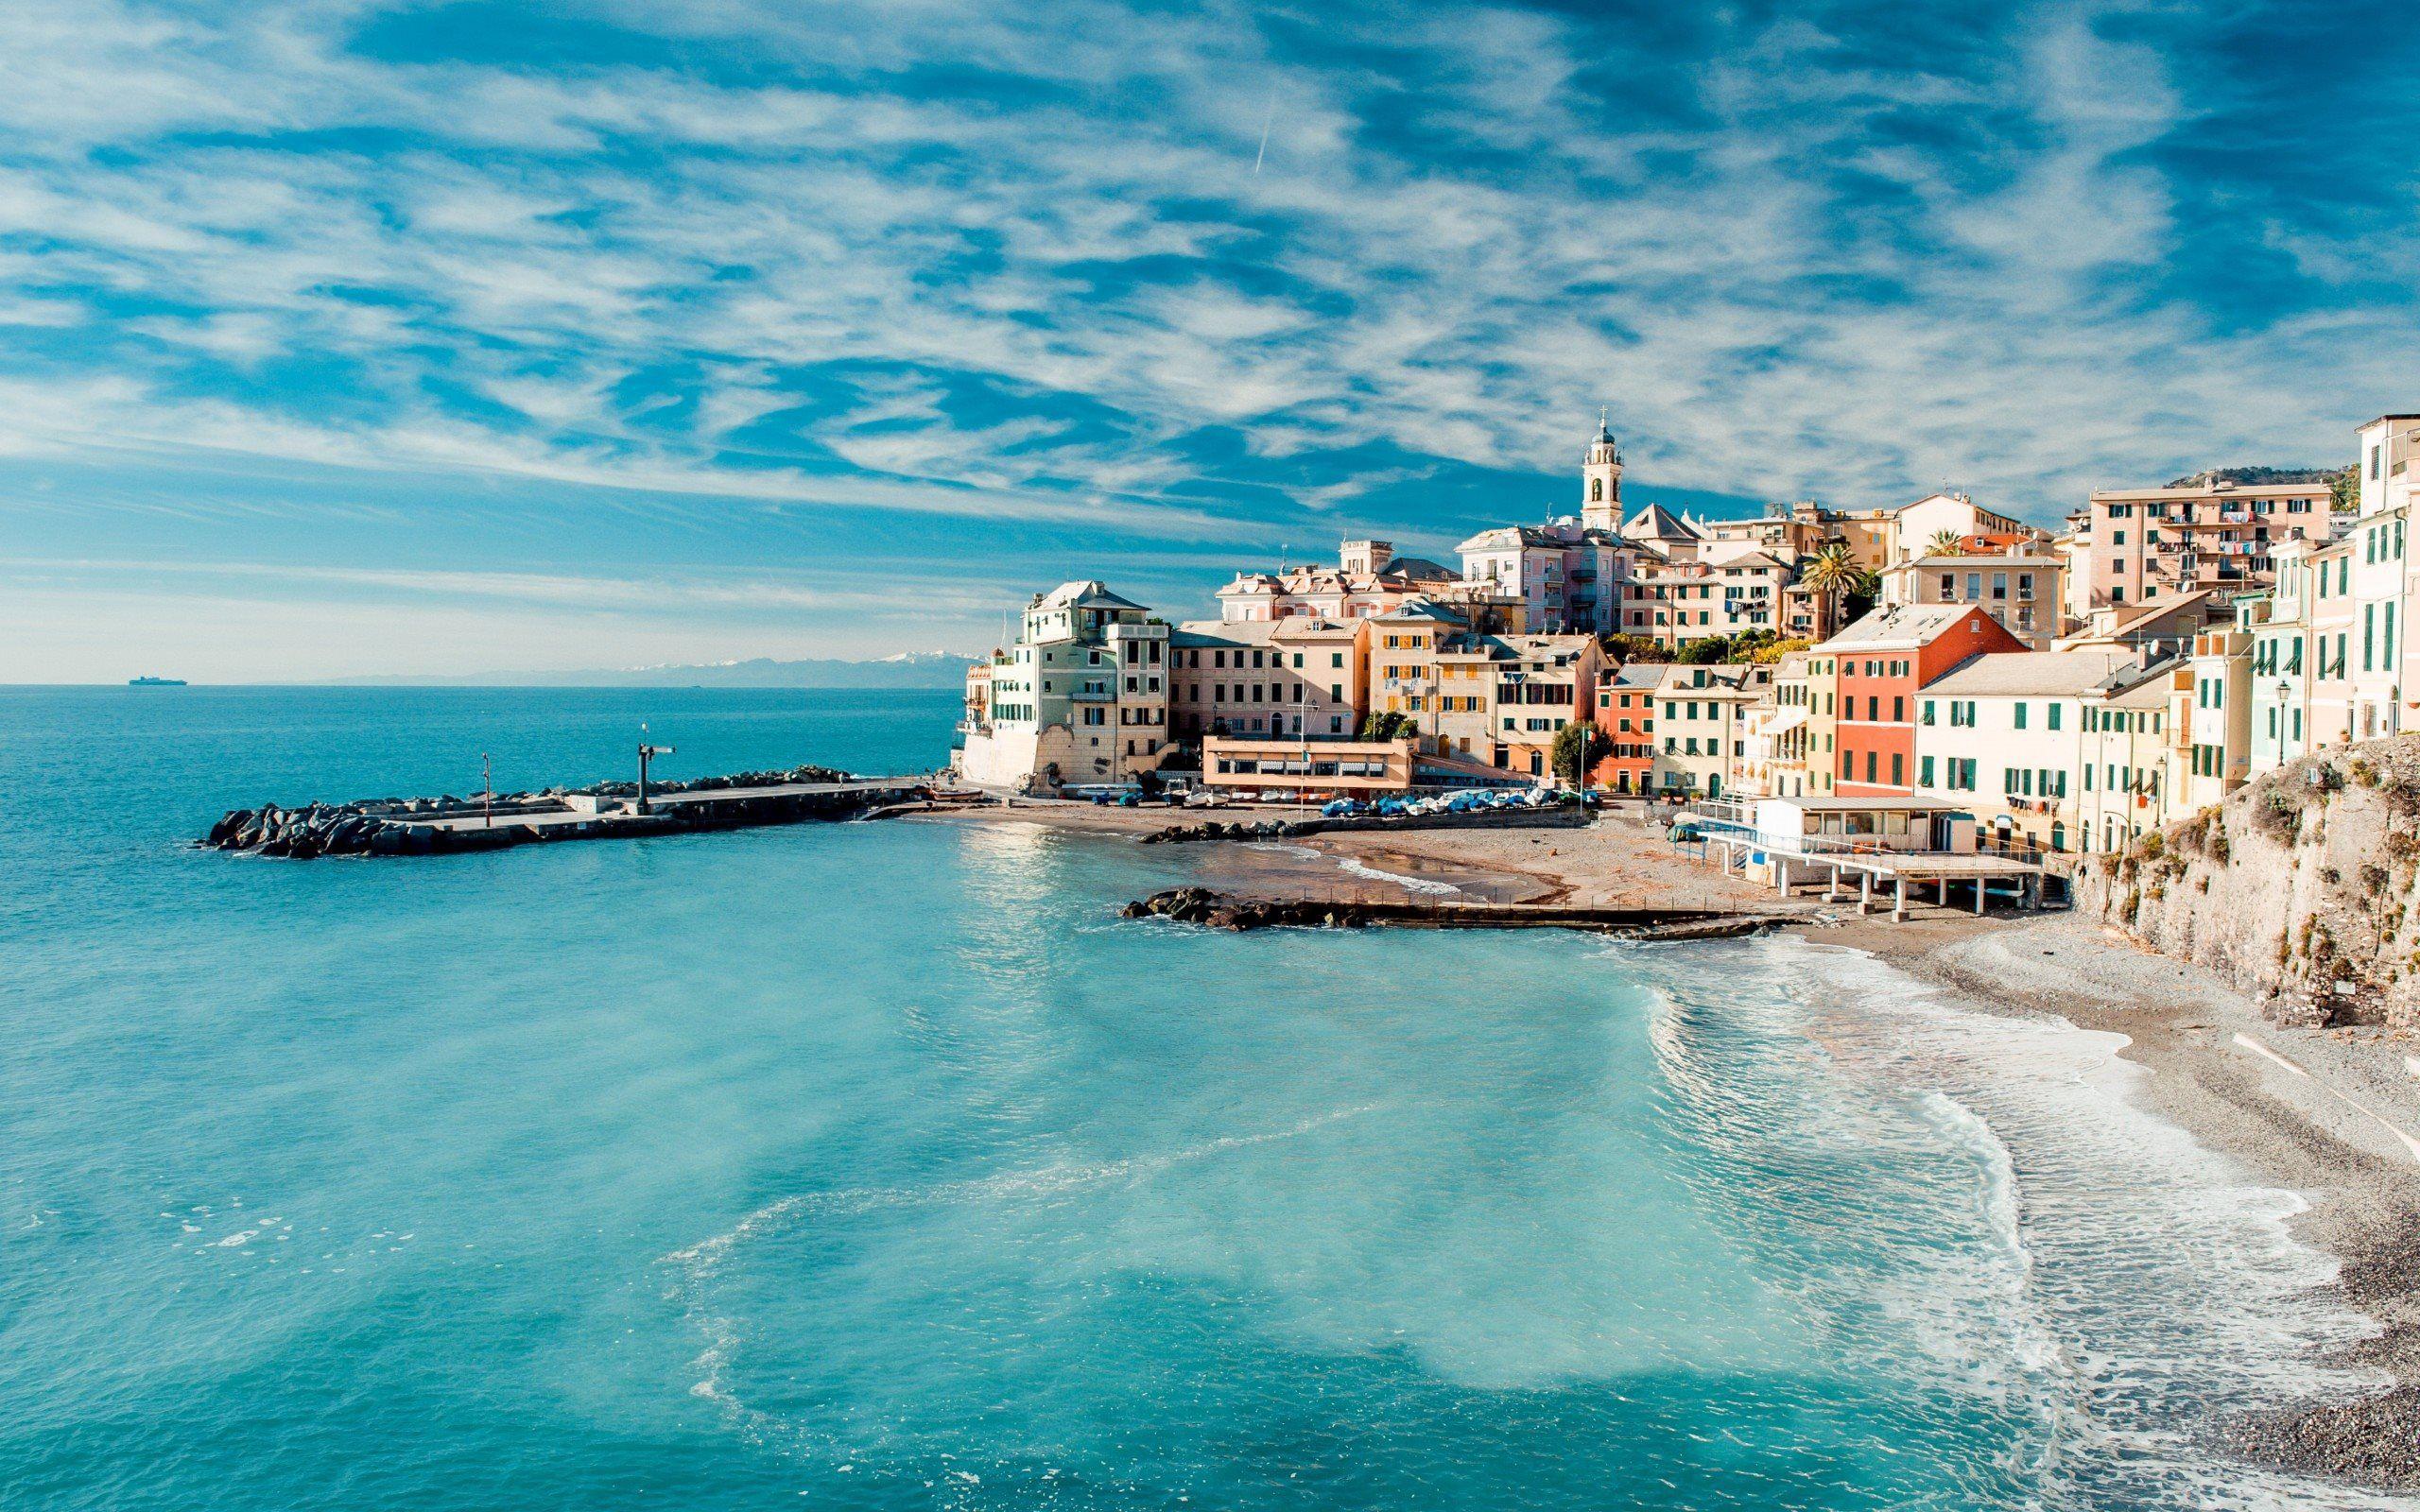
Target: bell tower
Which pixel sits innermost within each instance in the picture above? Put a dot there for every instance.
(1600, 481)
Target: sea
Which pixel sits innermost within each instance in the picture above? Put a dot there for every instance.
(881, 1165)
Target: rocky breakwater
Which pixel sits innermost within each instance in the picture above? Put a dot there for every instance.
(1217, 829)
(1217, 910)
(1201, 905)
(428, 826)
(2299, 888)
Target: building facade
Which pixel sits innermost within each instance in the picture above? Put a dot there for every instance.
(1080, 699)
(2022, 587)
(1885, 662)
(2003, 735)
(2143, 546)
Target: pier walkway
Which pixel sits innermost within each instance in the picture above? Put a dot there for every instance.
(399, 827)
(696, 802)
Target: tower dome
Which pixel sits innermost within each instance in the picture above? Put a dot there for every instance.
(1600, 480)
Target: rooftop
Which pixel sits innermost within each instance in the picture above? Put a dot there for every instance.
(1084, 594)
(2029, 674)
(1901, 626)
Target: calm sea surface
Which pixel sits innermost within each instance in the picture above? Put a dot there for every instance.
(880, 1166)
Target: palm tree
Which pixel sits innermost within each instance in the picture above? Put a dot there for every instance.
(1831, 574)
(1945, 544)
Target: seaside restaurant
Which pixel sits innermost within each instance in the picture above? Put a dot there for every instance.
(1898, 842)
(1813, 825)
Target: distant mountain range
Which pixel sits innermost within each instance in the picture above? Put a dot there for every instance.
(909, 669)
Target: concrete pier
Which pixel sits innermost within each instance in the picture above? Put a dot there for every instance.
(400, 826)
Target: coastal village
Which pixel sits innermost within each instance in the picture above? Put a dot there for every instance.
(1934, 678)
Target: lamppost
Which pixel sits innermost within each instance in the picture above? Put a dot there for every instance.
(487, 784)
(647, 753)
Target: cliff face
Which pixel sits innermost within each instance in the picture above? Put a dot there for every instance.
(2299, 887)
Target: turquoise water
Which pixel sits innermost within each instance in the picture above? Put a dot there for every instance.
(880, 1166)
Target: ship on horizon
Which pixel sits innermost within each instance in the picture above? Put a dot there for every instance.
(155, 683)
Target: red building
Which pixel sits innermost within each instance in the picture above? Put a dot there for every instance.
(1626, 719)
(1879, 665)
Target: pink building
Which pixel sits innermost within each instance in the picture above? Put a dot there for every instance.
(2142, 545)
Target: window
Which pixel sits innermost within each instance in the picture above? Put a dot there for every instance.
(2020, 714)
(1923, 771)
(1927, 711)
(2050, 717)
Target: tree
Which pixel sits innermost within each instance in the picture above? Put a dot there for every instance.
(1390, 723)
(1772, 651)
(1623, 648)
(2344, 490)
(1712, 650)
(1832, 575)
(1945, 544)
(1578, 746)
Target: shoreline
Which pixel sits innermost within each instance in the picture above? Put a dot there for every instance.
(2324, 1114)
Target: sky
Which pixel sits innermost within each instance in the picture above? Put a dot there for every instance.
(342, 337)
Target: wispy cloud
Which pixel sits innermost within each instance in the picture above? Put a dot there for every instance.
(1031, 280)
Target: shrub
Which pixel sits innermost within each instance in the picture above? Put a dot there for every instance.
(2280, 818)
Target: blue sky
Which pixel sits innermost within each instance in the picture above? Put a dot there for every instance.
(353, 337)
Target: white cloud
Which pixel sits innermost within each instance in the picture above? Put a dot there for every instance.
(1460, 242)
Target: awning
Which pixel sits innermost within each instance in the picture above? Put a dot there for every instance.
(1785, 720)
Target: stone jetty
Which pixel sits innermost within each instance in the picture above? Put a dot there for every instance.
(448, 825)
(1217, 910)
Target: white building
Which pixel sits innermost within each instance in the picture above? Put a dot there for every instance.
(1080, 699)
(2003, 735)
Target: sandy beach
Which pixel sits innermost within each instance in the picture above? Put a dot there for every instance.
(2326, 1113)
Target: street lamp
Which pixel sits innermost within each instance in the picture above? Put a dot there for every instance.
(647, 753)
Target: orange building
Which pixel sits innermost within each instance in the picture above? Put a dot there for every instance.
(1626, 719)
(1877, 667)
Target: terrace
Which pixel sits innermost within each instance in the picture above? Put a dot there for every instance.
(1901, 843)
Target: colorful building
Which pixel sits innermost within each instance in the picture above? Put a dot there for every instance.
(2143, 546)
(2020, 584)
(1626, 720)
(2003, 735)
(1884, 660)
(2123, 761)
(1080, 699)
(1701, 726)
